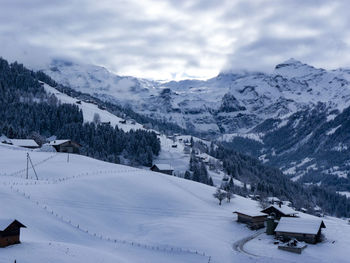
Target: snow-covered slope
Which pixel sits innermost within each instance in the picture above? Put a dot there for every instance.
(86, 210)
(90, 109)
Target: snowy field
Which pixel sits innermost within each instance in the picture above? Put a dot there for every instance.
(87, 210)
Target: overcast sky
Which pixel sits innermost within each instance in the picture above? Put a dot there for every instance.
(176, 39)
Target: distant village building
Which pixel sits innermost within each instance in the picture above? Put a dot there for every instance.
(3, 139)
(66, 146)
(307, 230)
(287, 203)
(254, 197)
(274, 200)
(255, 220)
(163, 168)
(9, 232)
(279, 211)
(25, 143)
(304, 210)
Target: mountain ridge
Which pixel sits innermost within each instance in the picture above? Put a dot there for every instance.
(283, 104)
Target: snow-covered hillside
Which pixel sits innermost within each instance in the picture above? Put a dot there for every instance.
(174, 156)
(86, 210)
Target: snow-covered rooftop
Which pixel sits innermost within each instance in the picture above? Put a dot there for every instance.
(24, 142)
(299, 225)
(284, 209)
(273, 199)
(3, 138)
(251, 213)
(58, 142)
(4, 223)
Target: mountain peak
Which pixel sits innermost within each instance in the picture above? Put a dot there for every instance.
(292, 62)
(294, 68)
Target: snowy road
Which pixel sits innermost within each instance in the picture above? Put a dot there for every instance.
(239, 245)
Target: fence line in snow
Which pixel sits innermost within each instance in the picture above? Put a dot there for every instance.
(158, 247)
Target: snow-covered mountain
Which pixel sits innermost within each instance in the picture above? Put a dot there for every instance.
(296, 112)
(230, 102)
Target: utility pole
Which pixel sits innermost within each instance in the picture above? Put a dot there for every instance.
(27, 165)
(30, 160)
(67, 157)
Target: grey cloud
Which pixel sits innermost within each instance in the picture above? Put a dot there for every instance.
(171, 37)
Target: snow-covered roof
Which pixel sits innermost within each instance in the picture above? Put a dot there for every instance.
(283, 209)
(3, 138)
(5, 222)
(251, 213)
(299, 225)
(273, 199)
(24, 142)
(164, 166)
(52, 138)
(58, 142)
(287, 203)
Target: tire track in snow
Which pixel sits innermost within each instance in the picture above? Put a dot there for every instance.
(239, 245)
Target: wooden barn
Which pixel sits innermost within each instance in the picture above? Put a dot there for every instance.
(279, 211)
(9, 232)
(255, 220)
(307, 230)
(163, 168)
(66, 146)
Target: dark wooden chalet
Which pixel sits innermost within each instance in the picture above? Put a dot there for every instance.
(66, 146)
(162, 168)
(307, 230)
(279, 211)
(255, 220)
(9, 232)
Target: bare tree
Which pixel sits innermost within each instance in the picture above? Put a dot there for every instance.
(229, 195)
(220, 195)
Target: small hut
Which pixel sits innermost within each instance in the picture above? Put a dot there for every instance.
(254, 219)
(308, 230)
(279, 211)
(66, 146)
(162, 168)
(9, 232)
